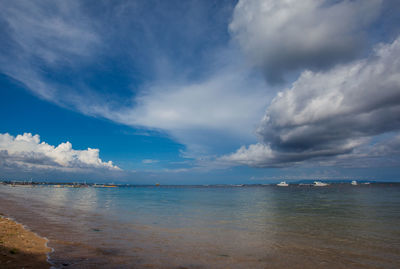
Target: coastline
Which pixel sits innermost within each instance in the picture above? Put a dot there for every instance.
(20, 247)
(105, 228)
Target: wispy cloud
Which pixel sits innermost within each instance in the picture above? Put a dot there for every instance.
(221, 106)
(149, 161)
(216, 97)
(43, 36)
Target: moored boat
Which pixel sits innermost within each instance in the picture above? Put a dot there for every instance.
(282, 184)
(320, 184)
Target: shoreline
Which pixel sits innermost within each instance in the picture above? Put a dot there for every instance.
(20, 247)
(88, 229)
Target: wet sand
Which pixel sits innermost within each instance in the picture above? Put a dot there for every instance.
(21, 248)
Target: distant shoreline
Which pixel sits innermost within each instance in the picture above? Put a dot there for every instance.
(14, 183)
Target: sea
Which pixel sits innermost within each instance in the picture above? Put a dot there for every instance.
(261, 226)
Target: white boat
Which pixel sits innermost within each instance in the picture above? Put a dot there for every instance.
(282, 184)
(354, 183)
(320, 184)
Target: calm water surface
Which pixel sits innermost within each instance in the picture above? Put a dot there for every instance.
(340, 226)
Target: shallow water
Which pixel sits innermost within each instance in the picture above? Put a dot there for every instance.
(340, 226)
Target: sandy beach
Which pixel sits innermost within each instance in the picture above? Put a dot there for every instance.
(21, 248)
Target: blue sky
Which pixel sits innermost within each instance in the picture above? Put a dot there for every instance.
(200, 92)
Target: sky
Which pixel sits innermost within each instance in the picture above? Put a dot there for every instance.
(200, 91)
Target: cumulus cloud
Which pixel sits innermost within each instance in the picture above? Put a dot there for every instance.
(330, 113)
(27, 151)
(280, 36)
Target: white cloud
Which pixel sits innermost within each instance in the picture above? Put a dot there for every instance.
(225, 105)
(331, 113)
(290, 35)
(255, 155)
(27, 151)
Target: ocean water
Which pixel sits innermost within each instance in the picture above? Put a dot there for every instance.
(339, 226)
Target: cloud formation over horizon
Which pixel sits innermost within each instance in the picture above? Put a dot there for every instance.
(326, 114)
(28, 152)
(205, 74)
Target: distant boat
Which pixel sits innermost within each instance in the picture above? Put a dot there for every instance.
(110, 186)
(282, 184)
(157, 184)
(354, 183)
(320, 184)
(105, 186)
(366, 183)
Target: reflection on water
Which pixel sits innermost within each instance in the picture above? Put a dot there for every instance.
(340, 226)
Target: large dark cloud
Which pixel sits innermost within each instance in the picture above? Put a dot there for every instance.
(330, 113)
(281, 36)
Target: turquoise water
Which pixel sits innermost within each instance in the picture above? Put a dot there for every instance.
(339, 226)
